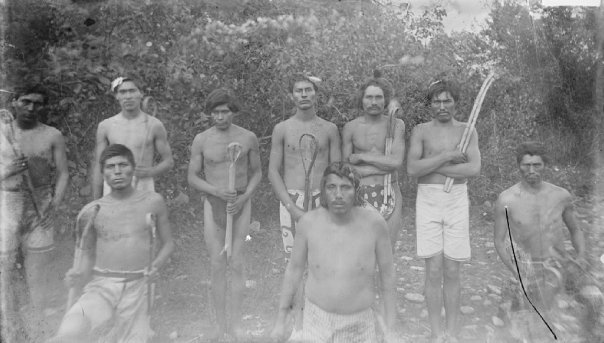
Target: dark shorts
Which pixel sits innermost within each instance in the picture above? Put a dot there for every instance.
(219, 209)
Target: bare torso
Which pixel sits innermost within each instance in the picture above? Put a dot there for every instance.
(536, 218)
(123, 237)
(37, 145)
(135, 133)
(216, 161)
(341, 261)
(293, 171)
(436, 139)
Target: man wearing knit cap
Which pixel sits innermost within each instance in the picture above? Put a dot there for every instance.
(142, 133)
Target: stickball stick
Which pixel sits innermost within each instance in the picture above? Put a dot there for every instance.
(233, 152)
(307, 146)
(152, 225)
(149, 106)
(77, 256)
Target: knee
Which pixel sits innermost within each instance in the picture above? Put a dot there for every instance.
(73, 329)
(451, 274)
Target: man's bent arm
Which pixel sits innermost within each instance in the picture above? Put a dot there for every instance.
(165, 234)
(97, 177)
(335, 152)
(392, 161)
(255, 167)
(386, 269)
(163, 149)
(500, 234)
(418, 166)
(60, 158)
(576, 234)
(468, 169)
(195, 166)
(274, 164)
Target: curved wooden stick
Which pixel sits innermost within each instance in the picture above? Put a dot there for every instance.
(470, 125)
(311, 142)
(152, 225)
(233, 152)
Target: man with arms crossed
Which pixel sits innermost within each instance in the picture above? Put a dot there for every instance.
(538, 213)
(342, 243)
(30, 152)
(116, 257)
(442, 219)
(364, 144)
(209, 155)
(142, 133)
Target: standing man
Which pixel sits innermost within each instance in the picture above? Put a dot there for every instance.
(209, 155)
(341, 242)
(115, 257)
(142, 133)
(285, 155)
(442, 219)
(538, 213)
(32, 155)
(364, 145)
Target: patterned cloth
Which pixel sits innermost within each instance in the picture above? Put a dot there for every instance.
(288, 225)
(324, 327)
(373, 195)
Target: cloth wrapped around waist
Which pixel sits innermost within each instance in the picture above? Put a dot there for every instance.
(219, 209)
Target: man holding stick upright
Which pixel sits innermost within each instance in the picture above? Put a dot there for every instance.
(375, 144)
(211, 153)
(141, 132)
(442, 219)
(114, 263)
(32, 154)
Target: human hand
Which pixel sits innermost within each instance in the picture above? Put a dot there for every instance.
(226, 195)
(296, 212)
(456, 157)
(236, 206)
(152, 274)
(75, 278)
(143, 172)
(18, 165)
(355, 158)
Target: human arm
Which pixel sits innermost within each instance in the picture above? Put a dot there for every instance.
(97, 177)
(14, 167)
(470, 167)
(165, 235)
(161, 145)
(418, 166)
(274, 176)
(60, 158)
(86, 247)
(385, 163)
(292, 278)
(576, 234)
(386, 270)
(335, 152)
(255, 169)
(500, 234)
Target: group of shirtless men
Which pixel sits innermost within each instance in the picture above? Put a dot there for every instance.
(338, 245)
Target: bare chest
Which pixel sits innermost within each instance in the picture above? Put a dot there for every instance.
(315, 137)
(437, 140)
(369, 137)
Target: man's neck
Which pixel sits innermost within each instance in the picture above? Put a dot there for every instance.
(121, 194)
(533, 188)
(448, 123)
(306, 115)
(132, 113)
(341, 218)
(27, 125)
(373, 119)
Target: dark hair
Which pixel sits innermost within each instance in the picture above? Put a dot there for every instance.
(378, 81)
(221, 96)
(532, 148)
(114, 150)
(343, 170)
(299, 77)
(440, 85)
(32, 89)
(137, 84)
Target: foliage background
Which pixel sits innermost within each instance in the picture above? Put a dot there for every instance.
(181, 50)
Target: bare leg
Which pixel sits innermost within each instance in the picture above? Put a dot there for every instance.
(36, 271)
(451, 292)
(214, 237)
(11, 323)
(395, 222)
(237, 264)
(433, 288)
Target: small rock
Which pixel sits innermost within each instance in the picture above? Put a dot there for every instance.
(497, 321)
(495, 297)
(563, 304)
(487, 302)
(406, 258)
(414, 297)
(400, 289)
(489, 244)
(467, 310)
(418, 268)
(490, 251)
(250, 283)
(476, 298)
(255, 226)
(173, 335)
(494, 289)
(424, 313)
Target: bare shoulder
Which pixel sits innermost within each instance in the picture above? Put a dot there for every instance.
(558, 191)
(86, 211)
(245, 133)
(509, 194)
(52, 132)
(353, 124)
(327, 124)
(154, 121)
(280, 127)
(422, 127)
(400, 123)
(372, 219)
(201, 137)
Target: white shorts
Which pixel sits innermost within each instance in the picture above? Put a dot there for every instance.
(442, 222)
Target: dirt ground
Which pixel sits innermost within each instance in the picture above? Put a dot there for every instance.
(182, 311)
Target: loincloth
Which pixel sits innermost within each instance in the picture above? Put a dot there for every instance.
(288, 225)
(373, 195)
(320, 326)
(219, 207)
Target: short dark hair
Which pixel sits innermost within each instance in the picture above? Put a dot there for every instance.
(532, 148)
(221, 96)
(378, 81)
(441, 85)
(343, 170)
(299, 77)
(114, 150)
(136, 82)
(32, 89)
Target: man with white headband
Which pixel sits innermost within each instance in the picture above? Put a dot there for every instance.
(142, 133)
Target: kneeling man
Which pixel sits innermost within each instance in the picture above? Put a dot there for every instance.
(342, 242)
(116, 258)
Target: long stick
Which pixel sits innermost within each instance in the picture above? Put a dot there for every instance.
(233, 152)
(467, 134)
(77, 256)
(388, 151)
(147, 103)
(305, 143)
(152, 225)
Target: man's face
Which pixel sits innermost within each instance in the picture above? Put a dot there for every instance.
(303, 95)
(222, 117)
(339, 193)
(129, 96)
(443, 107)
(531, 168)
(118, 172)
(28, 106)
(373, 101)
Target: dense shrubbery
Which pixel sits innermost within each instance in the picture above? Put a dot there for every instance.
(184, 49)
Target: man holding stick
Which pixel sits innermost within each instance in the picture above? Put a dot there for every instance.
(114, 264)
(442, 219)
(342, 243)
(374, 143)
(32, 154)
(210, 154)
(141, 132)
